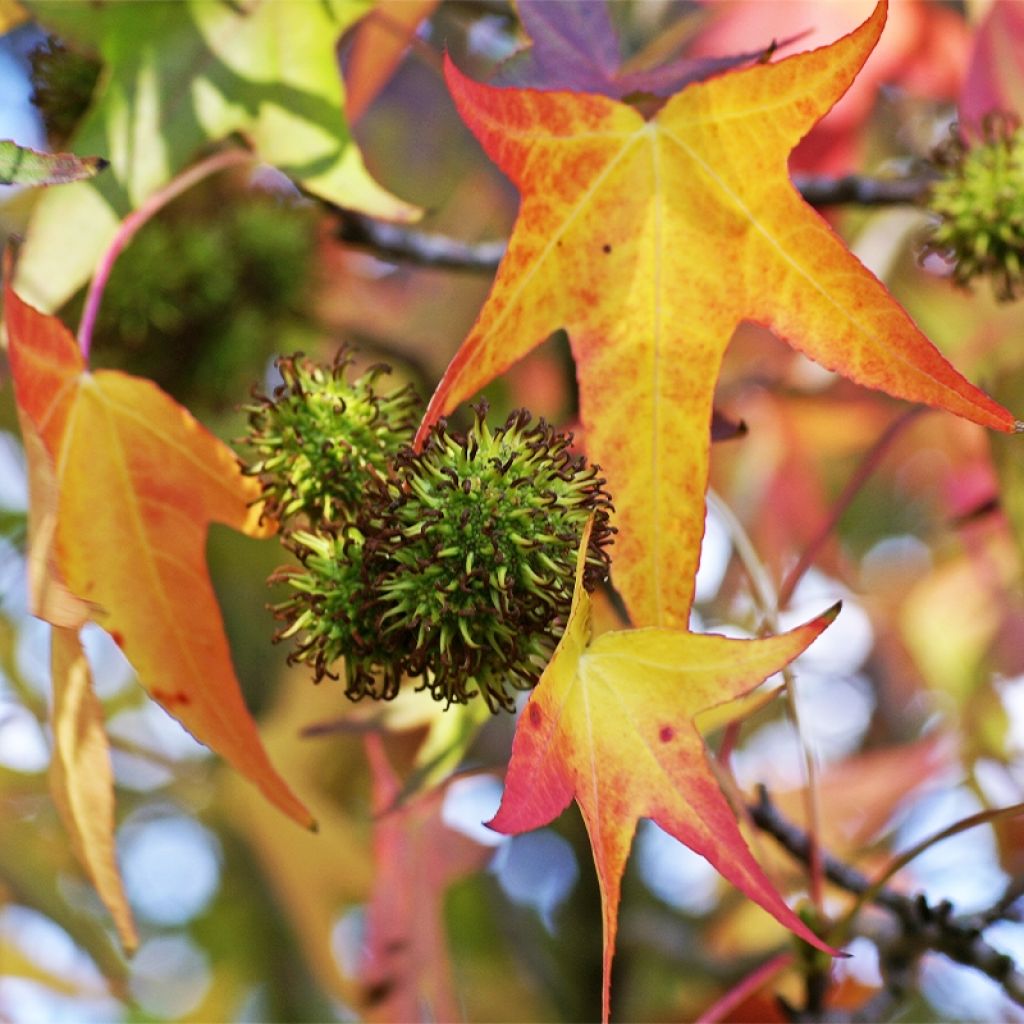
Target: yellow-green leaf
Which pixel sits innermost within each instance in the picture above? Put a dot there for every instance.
(178, 76)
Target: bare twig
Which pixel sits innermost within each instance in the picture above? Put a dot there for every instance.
(420, 248)
(923, 927)
(427, 249)
(861, 190)
(763, 593)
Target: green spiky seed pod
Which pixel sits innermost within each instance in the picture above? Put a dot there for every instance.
(474, 546)
(980, 206)
(321, 437)
(333, 615)
(63, 83)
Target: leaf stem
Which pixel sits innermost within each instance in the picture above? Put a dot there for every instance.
(131, 224)
(868, 465)
(745, 988)
(923, 926)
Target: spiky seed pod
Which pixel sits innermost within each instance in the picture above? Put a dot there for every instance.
(474, 546)
(980, 206)
(332, 615)
(63, 83)
(320, 437)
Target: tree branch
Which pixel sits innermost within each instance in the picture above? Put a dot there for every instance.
(427, 249)
(420, 248)
(923, 927)
(862, 190)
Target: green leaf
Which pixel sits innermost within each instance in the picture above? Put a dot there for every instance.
(177, 77)
(22, 166)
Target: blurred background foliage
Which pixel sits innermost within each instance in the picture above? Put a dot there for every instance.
(403, 905)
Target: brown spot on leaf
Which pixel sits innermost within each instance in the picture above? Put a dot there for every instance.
(666, 733)
(535, 716)
(606, 248)
(171, 697)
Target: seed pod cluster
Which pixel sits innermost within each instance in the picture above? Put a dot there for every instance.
(320, 436)
(475, 541)
(979, 203)
(63, 82)
(453, 565)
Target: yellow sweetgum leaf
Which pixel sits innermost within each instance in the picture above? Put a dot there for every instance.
(81, 777)
(649, 241)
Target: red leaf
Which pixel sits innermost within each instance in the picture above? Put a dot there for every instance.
(612, 724)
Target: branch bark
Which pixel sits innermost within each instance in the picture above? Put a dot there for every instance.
(922, 926)
(863, 190)
(428, 249)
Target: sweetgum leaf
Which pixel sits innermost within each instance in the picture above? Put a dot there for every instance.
(181, 75)
(418, 857)
(81, 777)
(649, 241)
(136, 481)
(22, 166)
(32, 865)
(575, 46)
(995, 75)
(48, 594)
(12, 14)
(378, 45)
(611, 725)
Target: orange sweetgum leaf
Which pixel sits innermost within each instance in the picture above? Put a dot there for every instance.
(923, 53)
(649, 241)
(611, 724)
(81, 778)
(136, 481)
(48, 595)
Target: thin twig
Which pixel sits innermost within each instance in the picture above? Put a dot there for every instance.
(420, 248)
(427, 249)
(923, 927)
(863, 190)
(131, 224)
(1006, 908)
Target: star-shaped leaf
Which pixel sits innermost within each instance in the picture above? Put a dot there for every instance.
(134, 481)
(611, 724)
(575, 46)
(649, 241)
(181, 75)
